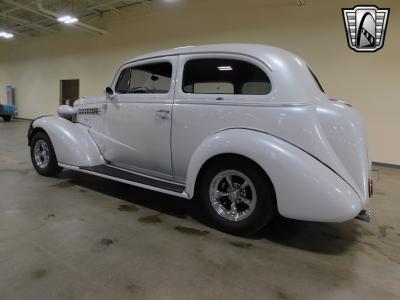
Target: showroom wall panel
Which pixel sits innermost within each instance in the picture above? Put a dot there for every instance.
(315, 32)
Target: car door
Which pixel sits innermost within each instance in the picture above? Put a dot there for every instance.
(215, 91)
(137, 125)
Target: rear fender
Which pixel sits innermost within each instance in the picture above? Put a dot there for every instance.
(305, 188)
(71, 141)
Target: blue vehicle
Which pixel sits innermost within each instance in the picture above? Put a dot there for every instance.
(7, 111)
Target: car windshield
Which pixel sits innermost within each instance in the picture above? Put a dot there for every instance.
(316, 80)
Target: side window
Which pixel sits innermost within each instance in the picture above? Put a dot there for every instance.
(224, 76)
(152, 78)
(122, 86)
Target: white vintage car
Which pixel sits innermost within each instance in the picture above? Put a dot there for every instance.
(246, 130)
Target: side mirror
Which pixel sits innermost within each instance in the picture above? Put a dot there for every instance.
(109, 91)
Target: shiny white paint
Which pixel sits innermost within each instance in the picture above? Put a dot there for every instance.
(345, 131)
(71, 141)
(313, 149)
(137, 127)
(305, 188)
(300, 126)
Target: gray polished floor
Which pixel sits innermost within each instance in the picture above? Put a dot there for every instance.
(82, 237)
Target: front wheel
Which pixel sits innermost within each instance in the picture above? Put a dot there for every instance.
(237, 196)
(43, 156)
(7, 118)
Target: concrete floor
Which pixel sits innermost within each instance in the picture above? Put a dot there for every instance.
(83, 237)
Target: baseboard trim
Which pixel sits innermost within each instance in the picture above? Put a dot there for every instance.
(381, 164)
(26, 119)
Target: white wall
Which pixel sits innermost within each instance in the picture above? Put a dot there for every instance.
(315, 32)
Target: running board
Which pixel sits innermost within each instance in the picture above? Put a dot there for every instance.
(132, 178)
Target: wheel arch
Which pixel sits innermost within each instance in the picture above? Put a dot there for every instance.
(33, 132)
(304, 188)
(72, 142)
(236, 142)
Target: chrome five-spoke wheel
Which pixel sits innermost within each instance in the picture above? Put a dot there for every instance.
(233, 195)
(236, 195)
(41, 153)
(43, 156)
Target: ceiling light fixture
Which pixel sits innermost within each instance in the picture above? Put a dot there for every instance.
(6, 35)
(67, 19)
(225, 68)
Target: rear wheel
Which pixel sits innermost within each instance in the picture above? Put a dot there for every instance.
(43, 156)
(7, 118)
(236, 196)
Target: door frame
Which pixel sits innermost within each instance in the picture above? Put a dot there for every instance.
(61, 89)
(162, 99)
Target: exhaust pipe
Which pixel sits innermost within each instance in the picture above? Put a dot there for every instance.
(364, 215)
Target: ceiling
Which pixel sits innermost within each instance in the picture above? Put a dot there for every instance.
(33, 18)
(27, 18)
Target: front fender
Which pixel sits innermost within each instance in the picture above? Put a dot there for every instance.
(305, 188)
(71, 141)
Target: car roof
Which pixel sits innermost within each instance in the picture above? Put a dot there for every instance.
(263, 52)
(292, 80)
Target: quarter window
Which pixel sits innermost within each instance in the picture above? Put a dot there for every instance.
(224, 76)
(151, 78)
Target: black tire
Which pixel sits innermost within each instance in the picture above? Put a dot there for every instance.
(51, 168)
(7, 118)
(265, 206)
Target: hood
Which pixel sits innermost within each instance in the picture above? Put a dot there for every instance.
(90, 100)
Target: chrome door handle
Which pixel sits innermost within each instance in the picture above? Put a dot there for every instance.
(164, 111)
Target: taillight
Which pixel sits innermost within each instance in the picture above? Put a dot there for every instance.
(370, 187)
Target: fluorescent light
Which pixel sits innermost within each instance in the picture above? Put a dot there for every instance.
(6, 35)
(225, 68)
(67, 19)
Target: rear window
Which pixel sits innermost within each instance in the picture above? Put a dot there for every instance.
(316, 80)
(224, 76)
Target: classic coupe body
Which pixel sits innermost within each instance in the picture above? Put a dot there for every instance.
(245, 130)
